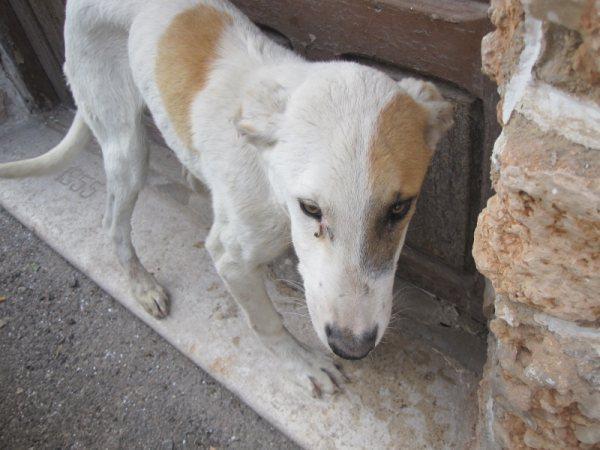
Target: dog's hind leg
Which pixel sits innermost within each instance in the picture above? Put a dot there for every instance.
(125, 162)
(98, 70)
(125, 154)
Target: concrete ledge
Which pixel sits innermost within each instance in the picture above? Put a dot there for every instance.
(418, 390)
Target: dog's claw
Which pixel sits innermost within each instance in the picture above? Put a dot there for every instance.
(316, 389)
(161, 310)
(345, 376)
(152, 297)
(323, 380)
(337, 385)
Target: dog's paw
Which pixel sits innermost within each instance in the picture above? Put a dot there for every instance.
(322, 376)
(314, 371)
(151, 296)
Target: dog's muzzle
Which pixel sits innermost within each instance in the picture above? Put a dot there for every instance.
(347, 345)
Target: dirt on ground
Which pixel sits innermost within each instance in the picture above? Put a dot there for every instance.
(77, 370)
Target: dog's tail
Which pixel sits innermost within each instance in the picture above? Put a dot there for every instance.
(78, 136)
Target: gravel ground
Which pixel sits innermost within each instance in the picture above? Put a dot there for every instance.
(77, 370)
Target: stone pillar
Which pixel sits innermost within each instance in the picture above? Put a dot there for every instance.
(538, 239)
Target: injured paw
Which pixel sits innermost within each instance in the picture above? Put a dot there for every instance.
(150, 295)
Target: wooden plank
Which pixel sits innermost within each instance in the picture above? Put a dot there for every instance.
(51, 64)
(15, 43)
(448, 10)
(50, 17)
(439, 38)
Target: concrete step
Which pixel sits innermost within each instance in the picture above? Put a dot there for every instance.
(417, 390)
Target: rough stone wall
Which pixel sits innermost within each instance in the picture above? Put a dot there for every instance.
(538, 240)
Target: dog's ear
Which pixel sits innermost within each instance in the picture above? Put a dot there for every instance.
(261, 112)
(440, 111)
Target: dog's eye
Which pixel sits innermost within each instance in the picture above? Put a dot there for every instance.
(310, 209)
(400, 209)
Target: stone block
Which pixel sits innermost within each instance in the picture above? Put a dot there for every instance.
(583, 17)
(543, 377)
(567, 63)
(538, 240)
(567, 13)
(501, 48)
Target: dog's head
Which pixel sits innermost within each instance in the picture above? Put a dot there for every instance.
(347, 150)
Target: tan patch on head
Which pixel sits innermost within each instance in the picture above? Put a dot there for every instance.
(186, 53)
(399, 155)
(399, 158)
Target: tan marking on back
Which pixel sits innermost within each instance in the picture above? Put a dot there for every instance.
(399, 156)
(186, 53)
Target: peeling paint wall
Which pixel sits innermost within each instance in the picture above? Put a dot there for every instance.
(538, 239)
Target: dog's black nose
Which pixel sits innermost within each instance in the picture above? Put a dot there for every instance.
(347, 345)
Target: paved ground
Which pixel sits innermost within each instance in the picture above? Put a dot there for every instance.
(77, 370)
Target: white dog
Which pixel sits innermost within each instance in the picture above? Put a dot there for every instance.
(329, 155)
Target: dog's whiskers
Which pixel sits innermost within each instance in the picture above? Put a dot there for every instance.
(291, 300)
(292, 283)
(293, 303)
(296, 314)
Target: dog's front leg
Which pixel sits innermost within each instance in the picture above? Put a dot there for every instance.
(245, 282)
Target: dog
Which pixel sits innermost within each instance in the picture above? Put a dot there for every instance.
(328, 155)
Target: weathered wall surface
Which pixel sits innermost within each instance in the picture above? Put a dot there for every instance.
(538, 240)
